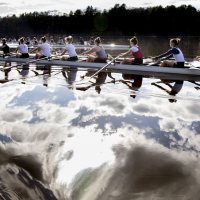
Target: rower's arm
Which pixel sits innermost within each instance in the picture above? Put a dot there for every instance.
(167, 54)
(126, 53)
(35, 49)
(64, 51)
(16, 50)
(90, 51)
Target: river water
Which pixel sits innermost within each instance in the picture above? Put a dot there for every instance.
(155, 45)
(119, 137)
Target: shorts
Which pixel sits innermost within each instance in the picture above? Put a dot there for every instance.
(24, 55)
(179, 65)
(137, 61)
(74, 58)
(100, 60)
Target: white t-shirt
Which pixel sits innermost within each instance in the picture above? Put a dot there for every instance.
(23, 48)
(71, 50)
(45, 48)
(134, 48)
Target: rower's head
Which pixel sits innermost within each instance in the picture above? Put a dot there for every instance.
(133, 41)
(174, 42)
(21, 40)
(97, 40)
(43, 39)
(69, 39)
(4, 41)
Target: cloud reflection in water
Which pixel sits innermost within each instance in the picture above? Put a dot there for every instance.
(106, 146)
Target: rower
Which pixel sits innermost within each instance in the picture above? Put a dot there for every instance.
(91, 41)
(43, 50)
(35, 41)
(6, 52)
(97, 53)
(175, 52)
(5, 48)
(135, 51)
(22, 49)
(81, 41)
(70, 49)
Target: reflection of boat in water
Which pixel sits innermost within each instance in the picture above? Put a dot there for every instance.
(134, 82)
(97, 146)
(188, 72)
(195, 83)
(70, 75)
(174, 87)
(130, 78)
(24, 73)
(99, 80)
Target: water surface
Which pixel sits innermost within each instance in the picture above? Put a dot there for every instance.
(114, 138)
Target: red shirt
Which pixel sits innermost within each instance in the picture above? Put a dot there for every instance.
(137, 54)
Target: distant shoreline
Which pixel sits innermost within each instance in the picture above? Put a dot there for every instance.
(118, 21)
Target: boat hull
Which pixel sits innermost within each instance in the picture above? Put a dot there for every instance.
(186, 73)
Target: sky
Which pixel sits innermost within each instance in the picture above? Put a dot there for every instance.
(9, 7)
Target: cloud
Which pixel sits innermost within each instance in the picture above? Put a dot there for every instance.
(3, 4)
(15, 115)
(73, 133)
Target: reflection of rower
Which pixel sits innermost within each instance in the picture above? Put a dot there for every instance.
(174, 89)
(5, 80)
(24, 72)
(198, 84)
(100, 79)
(46, 75)
(135, 84)
(70, 75)
(6, 72)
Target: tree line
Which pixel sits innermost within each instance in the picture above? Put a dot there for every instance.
(119, 20)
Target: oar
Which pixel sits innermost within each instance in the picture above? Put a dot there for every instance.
(194, 82)
(155, 61)
(194, 66)
(109, 63)
(31, 61)
(8, 54)
(159, 86)
(83, 82)
(11, 55)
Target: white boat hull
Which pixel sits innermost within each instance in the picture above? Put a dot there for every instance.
(184, 73)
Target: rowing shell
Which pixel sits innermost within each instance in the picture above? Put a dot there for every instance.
(79, 46)
(186, 73)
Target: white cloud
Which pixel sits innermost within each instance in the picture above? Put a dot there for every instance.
(127, 155)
